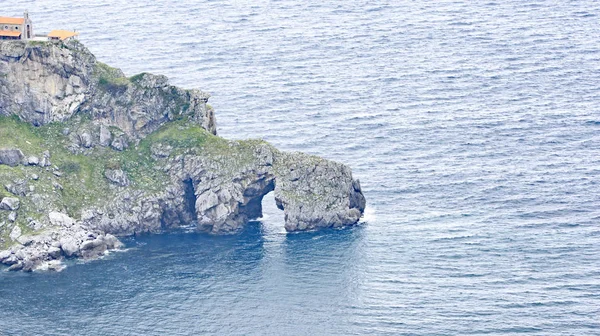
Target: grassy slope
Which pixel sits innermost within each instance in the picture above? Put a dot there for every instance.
(82, 177)
(83, 183)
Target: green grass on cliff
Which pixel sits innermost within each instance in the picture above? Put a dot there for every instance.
(81, 179)
(39, 43)
(82, 184)
(113, 81)
(110, 79)
(82, 175)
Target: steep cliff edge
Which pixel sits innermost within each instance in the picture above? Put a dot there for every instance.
(49, 82)
(87, 155)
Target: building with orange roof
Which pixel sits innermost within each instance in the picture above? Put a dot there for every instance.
(61, 35)
(16, 28)
(22, 29)
(9, 35)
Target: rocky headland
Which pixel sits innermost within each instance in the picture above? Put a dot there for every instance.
(88, 155)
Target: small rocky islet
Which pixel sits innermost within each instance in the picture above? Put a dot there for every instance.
(88, 155)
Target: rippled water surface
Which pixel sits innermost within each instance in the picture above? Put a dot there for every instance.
(474, 127)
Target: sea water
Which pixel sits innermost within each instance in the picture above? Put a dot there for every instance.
(473, 126)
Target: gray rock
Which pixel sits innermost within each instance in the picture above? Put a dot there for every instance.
(97, 247)
(35, 225)
(85, 139)
(54, 252)
(55, 82)
(88, 215)
(119, 143)
(11, 259)
(26, 240)
(105, 136)
(316, 193)
(313, 193)
(35, 177)
(12, 216)
(69, 246)
(15, 233)
(11, 157)
(37, 252)
(5, 255)
(33, 160)
(60, 219)
(19, 187)
(160, 150)
(90, 244)
(10, 203)
(117, 176)
(45, 162)
(220, 189)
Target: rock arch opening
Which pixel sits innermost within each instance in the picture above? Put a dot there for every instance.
(255, 194)
(189, 197)
(273, 218)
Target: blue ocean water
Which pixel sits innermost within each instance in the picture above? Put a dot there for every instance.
(474, 127)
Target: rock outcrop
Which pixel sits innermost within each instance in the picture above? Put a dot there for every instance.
(9, 203)
(135, 155)
(315, 193)
(11, 157)
(48, 82)
(66, 238)
(222, 191)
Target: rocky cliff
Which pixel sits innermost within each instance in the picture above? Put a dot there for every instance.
(47, 82)
(88, 155)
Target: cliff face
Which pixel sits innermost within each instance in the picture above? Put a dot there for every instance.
(87, 155)
(48, 82)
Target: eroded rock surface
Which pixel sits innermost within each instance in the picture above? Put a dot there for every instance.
(117, 176)
(9, 203)
(11, 156)
(136, 155)
(315, 193)
(66, 239)
(47, 82)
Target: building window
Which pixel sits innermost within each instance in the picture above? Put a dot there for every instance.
(16, 28)
(5, 27)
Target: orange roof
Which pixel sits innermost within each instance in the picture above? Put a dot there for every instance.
(62, 34)
(10, 20)
(10, 33)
